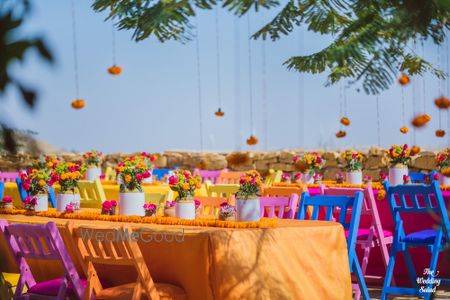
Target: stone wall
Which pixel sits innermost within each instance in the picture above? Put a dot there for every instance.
(375, 160)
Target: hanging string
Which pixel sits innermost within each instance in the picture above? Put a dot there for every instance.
(341, 105)
(300, 96)
(237, 85)
(199, 84)
(113, 41)
(264, 91)
(345, 101)
(403, 108)
(219, 92)
(378, 123)
(250, 74)
(440, 82)
(415, 100)
(75, 51)
(423, 82)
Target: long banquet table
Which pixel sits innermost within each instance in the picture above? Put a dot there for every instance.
(296, 260)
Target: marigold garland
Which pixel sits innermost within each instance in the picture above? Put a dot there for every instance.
(420, 120)
(440, 133)
(442, 102)
(252, 140)
(345, 121)
(381, 195)
(404, 129)
(341, 134)
(219, 113)
(415, 150)
(404, 79)
(97, 216)
(78, 103)
(114, 70)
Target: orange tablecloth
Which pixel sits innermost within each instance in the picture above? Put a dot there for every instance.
(297, 260)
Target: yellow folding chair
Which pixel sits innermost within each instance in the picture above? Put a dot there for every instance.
(110, 174)
(273, 177)
(221, 190)
(160, 199)
(91, 193)
(8, 283)
(210, 205)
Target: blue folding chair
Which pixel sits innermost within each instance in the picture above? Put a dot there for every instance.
(353, 205)
(420, 177)
(23, 194)
(418, 199)
(2, 190)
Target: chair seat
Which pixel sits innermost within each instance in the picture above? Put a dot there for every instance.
(125, 291)
(423, 237)
(11, 279)
(51, 287)
(363, 233)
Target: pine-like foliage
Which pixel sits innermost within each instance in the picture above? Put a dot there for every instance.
(372, 39)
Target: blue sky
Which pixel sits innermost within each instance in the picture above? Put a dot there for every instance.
(153, 104)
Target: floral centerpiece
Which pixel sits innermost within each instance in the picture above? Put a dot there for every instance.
(309, 164)
(169, 209)
(68, 174)
(131, 171)
(400, 158)
(340, 177)
(92, 160)
(367, 179)
(443, 165)
(150, 209)
(7, 202)
(286, 177)
(318, 178)
(247, 197)
(298, 177)
(227, 212)
(49, 162)
(30, 203)
(185, 184)
(354, 166)
(36, 183)
(149, 160)
(406, 179)
(109, 207)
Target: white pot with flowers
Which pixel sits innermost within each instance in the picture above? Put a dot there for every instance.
(353, 161)
(309, 164)
(36, 183)
(68, 174)
(150, 209)
(400, 157)
(443, 165)
(185, 184)
(92, 160)
(109, 207)
(247, 198)
(7, 202)
(149, 160)
(132, 170)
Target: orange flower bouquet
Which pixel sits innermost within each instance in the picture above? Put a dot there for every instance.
(354, 166)
(309, 164)
(443, 165)
(92, 160)
(400, 157)
(68, 174)
(247, 198)
(185, 184)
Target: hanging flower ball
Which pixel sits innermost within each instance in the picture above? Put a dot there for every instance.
(340, 134)
(415, 150)
(404, 129)
(114, 70)
(420, 120)
(404, 79)
(252, 140)
(219, 113)
(345, 121)
(442, 102)
(78, 103)
(440, 133)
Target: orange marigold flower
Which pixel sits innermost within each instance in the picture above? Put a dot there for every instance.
(381, 194)
(41, 182)
(78, 103)
(442, 102)
(219, 113)
(415, 150)
(252, 140)
(440, 133)
(115, 70)
(341, 134)
(420, 120)
(404, 129)
(404, 79)
(345, 121)
(127, 178)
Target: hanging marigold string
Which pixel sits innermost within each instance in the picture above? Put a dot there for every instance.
(199, 83)
(219, 112)
(378, 122)
(252, 140)
(264, 91)
(114, 69)
(403, 129)
(441, 102)
(78, 103)
(343, 121)
(301, 115)
(237, 84)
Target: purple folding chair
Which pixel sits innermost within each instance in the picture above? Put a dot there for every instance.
(211, 175)
(42, 242)
(8, 176)
(286, 206)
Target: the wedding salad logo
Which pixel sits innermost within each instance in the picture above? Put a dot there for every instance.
(428, 283)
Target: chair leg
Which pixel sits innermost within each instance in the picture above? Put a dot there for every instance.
(389, 274)
(365, 260)
(433, 264)
(385, 255)
(360, 278)
(410, 267)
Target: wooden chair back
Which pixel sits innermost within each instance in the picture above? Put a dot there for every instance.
(229, 177)
(91, 193)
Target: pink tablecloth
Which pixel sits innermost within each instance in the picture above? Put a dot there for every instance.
(412, 222)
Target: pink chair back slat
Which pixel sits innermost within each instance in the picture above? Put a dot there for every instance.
(42, 242)
(285, 206)
(8, 176)
(211, 175)
(367, 205)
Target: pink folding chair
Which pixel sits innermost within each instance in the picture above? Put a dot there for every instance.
(211, 175)
(284, 207)
(41, 242)
(8, 176)
(367, 237)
